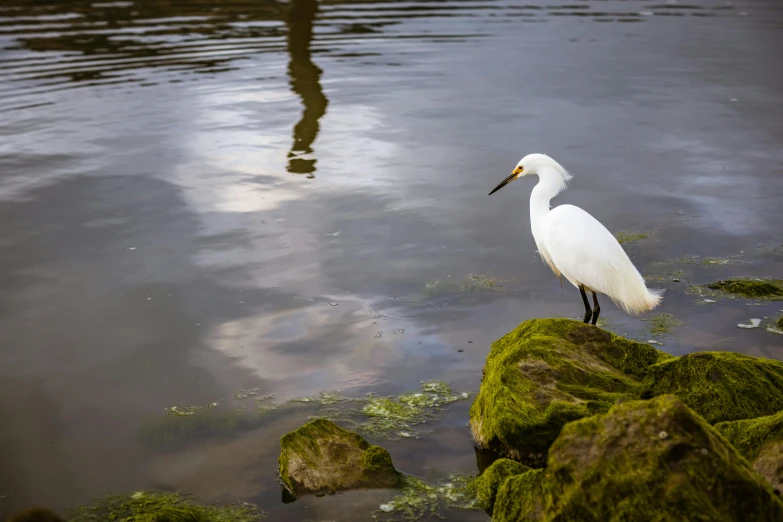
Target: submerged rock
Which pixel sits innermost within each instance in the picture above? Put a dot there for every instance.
(149, 506)
(36, 515)
(643, 460)
(549, 372)
(183, 424)
(761, 442)
(321, 457)
(746, 287)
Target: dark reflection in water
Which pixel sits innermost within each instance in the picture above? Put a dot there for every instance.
(305, 81)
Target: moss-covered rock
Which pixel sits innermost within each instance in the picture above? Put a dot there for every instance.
(761, 442)
(549, 372)
(321, 457)
(487, 484)
(720, 386)
(149, 506)
(644, 460)
(750, 288)
(655, 456)
(780, 322)
(522, 497)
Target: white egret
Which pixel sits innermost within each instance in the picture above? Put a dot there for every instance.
(577, 246)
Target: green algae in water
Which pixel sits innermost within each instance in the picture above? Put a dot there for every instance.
(710, 261)
(327, 398)
(475, 287)
(395, 417)
(184, 423)
(483, 281)
(666, 275)
(150, 506)
(663, 323)
(385, 417)
(631, 236)
(418, 500)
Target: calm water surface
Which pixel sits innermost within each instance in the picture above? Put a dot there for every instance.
(198, 197)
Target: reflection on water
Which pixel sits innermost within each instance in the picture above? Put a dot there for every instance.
(305, 76)
(156, 250)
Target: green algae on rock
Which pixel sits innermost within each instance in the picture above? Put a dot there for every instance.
(652, 457)
(643, 460)
(149, 506)
(522, 497)
(720, 386)
(548, 372)
(321, 457)
(487, 484)
(760, 441)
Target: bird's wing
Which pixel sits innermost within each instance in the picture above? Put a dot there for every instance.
(585, 251)
(547, 257)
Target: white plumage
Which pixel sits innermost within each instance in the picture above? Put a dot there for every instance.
(577, 246)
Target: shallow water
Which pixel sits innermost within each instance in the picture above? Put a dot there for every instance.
(205, 197)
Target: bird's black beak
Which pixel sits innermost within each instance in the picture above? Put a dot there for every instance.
(506, 181)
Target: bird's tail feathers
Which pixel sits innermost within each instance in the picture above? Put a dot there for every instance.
(639, 300)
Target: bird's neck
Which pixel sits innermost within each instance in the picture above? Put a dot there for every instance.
(550, 184)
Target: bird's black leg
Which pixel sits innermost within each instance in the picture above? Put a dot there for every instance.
(588, 310)
(596, 308)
